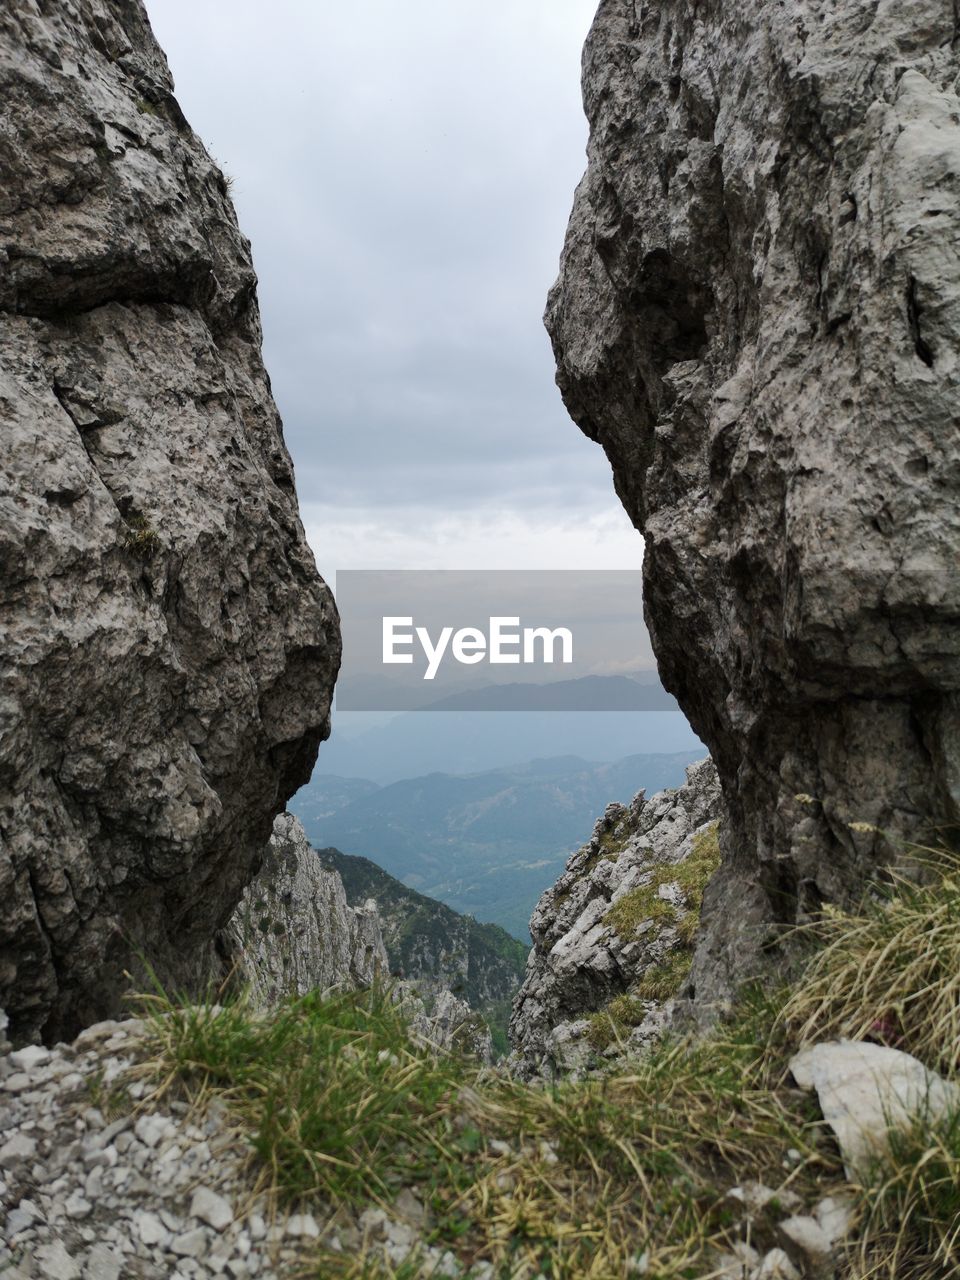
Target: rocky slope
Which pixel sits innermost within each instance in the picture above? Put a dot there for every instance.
(433, 945)
(168, 650)
(293, 930)
(757, 316)
(613, 937)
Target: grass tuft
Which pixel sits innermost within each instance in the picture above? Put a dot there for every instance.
(889, 972)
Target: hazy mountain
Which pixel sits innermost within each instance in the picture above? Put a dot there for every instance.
(391, 748)
(486, 843)
(431, 943)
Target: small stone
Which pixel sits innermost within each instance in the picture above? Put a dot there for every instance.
(835, 1215)
(806, 1240)
(755, 1197)
(78, 1208)
(302, 1224)
(256, 1226)
(411, 1207)
(28, 1059)
(150, 1229)
(102, 1264)
(17, 1083)
(191, 1244)
(56, 1263)
(17, 1150)
(211, 1208)
(776, 1266)
(152, 1129)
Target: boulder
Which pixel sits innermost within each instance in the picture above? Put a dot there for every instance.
(167, 649)
(758, 319)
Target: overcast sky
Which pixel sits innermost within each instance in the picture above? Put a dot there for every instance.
(405, 172)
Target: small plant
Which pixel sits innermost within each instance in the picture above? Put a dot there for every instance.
(140, 538)
(111, 1100)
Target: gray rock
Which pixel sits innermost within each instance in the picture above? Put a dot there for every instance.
(757, 317)
(579, 960)
(56, 1263)
(867, 1090)
(17, 1150)
(211, 1208)
(191, 1244)
(293, 931)
(168, 648)
(102, 1263)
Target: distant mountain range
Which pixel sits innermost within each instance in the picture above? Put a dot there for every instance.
(486, 844)
(434, 945)
(389, 748)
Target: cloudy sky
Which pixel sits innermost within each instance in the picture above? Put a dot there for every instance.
(405, 173)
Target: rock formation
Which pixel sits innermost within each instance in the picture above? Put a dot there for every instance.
(434, 946)
(758, 318)
(293, 930)
(167, 650)
(612, 938)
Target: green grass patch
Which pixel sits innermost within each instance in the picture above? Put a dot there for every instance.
(583, 1178)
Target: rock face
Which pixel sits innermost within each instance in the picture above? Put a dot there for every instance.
(612, 938)
(293, 930)
(758, 316)
(167, 650)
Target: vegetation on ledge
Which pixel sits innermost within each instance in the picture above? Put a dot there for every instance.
(608, 1177)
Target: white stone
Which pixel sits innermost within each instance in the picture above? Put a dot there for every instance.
(192, 1244)
(30, 1057)
(17, 1150)
(776, 1265)
(807, 1236)
(302, 1224)
(56, 1263)
(102, 1264)
(150, 1229)
(211, 1208)
(152, 1129)
(867, 1089)
(835, 1215)
(77, 1207)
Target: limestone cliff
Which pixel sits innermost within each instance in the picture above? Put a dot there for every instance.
(758, 317)
(612, 938)
(293, 930)
(167, 650)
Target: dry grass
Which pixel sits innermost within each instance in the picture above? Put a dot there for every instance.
(889, 972)
(594, 1179)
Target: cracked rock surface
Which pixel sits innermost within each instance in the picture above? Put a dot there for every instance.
(581, 960)
(758, 318)
(167, 650)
